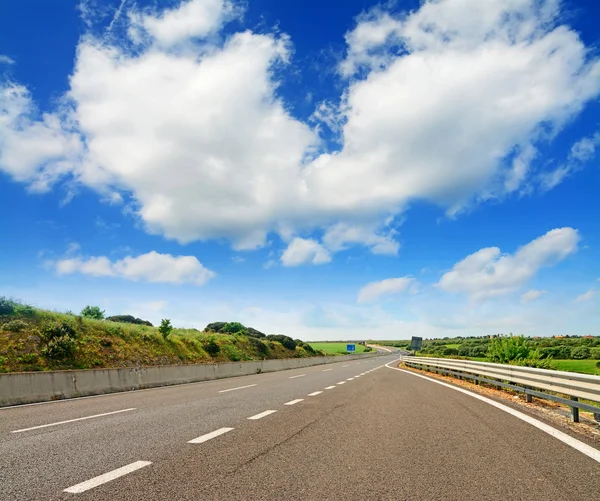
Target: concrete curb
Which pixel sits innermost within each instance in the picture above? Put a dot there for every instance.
(31, 387)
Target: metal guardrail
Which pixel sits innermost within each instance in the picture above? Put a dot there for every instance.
(542, 383)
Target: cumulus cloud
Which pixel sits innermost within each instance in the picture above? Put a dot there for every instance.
(586, 296)
(5, 59)
(447, 104)
(487, 272)
(373, 291)
(532, 295)
(150, 267)
(304, 250)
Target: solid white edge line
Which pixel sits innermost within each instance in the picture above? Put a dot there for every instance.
(330, 387)
(325, 370)
(294, 377)
(292, 402)
(314, 393)
(261, 415)
(237, 388)
(72, 420)
(559, 435)
(107, 477)
(208, 436)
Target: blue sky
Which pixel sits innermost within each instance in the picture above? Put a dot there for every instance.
(328, 170)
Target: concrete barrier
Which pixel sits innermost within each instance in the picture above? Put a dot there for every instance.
(30, 387)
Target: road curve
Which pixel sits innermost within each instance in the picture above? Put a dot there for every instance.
(353, 430)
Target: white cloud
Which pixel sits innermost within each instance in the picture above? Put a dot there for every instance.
(150, 267)
(190, 19)
(373, 291)
(488, 273)
(5, 59)
(532, 295)
(581, 152)
(340, 235)
(447, 104)
(304, 250)
(587, 296)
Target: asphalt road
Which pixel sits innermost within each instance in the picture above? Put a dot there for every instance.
(384, 435)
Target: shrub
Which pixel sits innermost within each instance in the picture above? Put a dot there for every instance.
(233, 328)
(15, 325)
(165, 327)
(580, 353)
(215, 327)
(595, 353)
(368, 349)
(58, 348)
(539, 363)
(503, 349)
(286, 341)
(129, 319)
(598, 365)
(232, 353)
(255, 333)
(92, 312)
(258, 345)
(55, 330)
(211, 347)
(306, 346)
(7, 306)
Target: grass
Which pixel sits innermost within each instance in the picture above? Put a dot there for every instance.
(28, 336)
(584, 366)
(336, 348)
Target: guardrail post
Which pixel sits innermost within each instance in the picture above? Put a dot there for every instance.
(528, 396)
(575, 411)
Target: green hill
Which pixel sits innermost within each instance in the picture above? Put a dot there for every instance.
(33, 339)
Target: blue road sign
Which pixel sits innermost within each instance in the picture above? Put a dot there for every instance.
(350, 347)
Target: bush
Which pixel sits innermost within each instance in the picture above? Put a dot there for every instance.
(211, 347)
(7, 306)
(129, 319)
(165, 327)
(233, 328)
(504, 349)
(92, 312)
(59, 348)
(258, 345)
(232, 353)
(580, 353)
(15, 325)
(598, 365)
(286, 341)
(368, 349)
(255, 333)
(54, 330)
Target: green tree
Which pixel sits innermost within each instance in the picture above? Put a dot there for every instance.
(165, 327)
(580, 352)
(507, 348)
(92, 312)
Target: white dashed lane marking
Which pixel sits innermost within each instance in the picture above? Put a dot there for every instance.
(314, 393)
(294, 377)
(208, 436)
(292, 402)
(330, 387)
(237, 388)
(342, 382)
(325, 370)
(107, 477)
(73, 420)
(261, 415)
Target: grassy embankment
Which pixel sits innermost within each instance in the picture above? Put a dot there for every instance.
(338, 348)
(33, 339)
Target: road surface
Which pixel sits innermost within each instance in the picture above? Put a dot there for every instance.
(349, 431)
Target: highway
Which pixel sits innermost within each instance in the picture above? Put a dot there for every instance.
(348, 431)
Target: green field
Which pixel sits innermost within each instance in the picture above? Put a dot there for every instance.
(585, 366)
(336, 348)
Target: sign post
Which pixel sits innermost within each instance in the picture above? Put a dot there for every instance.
(415, 344)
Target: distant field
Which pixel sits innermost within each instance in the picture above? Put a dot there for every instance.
(336, 348)
(585, 366)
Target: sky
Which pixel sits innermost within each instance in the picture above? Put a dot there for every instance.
(325, 169)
